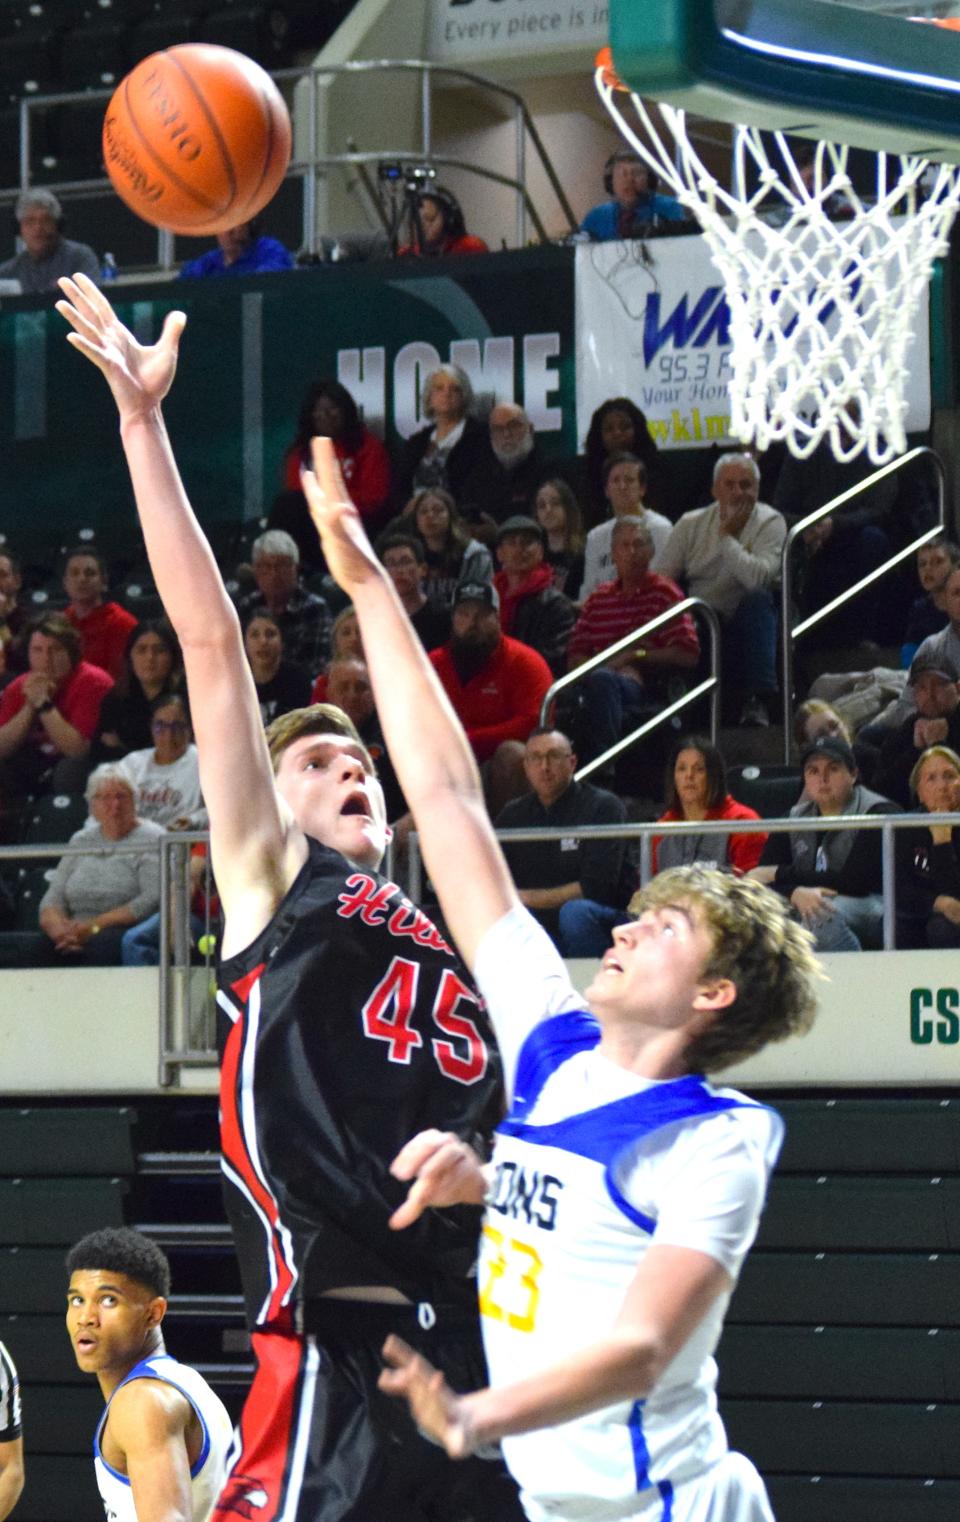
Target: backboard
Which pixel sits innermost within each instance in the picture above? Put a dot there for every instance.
(860, 72)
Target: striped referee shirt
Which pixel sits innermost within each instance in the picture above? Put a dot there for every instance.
(609, 613)
(9, 1398)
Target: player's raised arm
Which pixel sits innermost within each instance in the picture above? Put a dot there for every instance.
(248, 832)
(433, 762)
(148, 1421)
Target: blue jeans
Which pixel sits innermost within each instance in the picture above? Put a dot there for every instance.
(585, 927)
(610, 701)
(852, 924)
(140, 946)
(750, 644)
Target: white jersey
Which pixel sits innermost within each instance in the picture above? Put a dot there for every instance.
(592, 1165)
(206, 1475)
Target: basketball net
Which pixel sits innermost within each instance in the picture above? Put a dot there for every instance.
(823, 285)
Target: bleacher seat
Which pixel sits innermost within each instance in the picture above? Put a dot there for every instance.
(80, 1140)
(52, 819)
(771, 790)
(32, 884)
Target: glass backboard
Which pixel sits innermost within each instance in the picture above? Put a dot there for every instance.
(860, 72)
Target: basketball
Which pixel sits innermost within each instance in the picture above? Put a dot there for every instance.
(196, 139)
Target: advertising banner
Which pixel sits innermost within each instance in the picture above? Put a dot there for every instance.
(653, 324)
(467, 31)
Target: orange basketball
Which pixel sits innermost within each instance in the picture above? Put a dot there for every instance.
(196, 139)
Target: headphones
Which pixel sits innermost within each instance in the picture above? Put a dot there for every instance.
(454, 225)
(627, 156)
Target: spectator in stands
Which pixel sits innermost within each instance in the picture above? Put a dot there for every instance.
(934, 721)
(834, 881)
(50, 713)
(636, 209)
(165, 776)
(557, 511)
(636, 680)
(303, 617)
(625, 485)
(13, 615)
(531, 608)
(329, 409)
(839, 549)
(928, 614)
(94, 898)
(496, 686)
(814, 718)
(240, 250)
(946, 644)
(152, 664)
(441, 228)
(928, 858)
(562, 882)
(281, 684)
(451, 555)
(617, 427)
(696, 789)
(104, 627)
(729, 554)
(349, 688)
(346, 643)
(451, 446)
(46, 253)
(404, 558)
(503, 482)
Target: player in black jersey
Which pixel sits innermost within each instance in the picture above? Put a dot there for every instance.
(348, 1024)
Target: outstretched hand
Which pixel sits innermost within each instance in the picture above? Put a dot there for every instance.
(345, 544)
(445, 1171)
(139, 375)
(441, 1415)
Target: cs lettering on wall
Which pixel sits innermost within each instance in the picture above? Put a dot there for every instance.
(934, 1016)
(385, 390)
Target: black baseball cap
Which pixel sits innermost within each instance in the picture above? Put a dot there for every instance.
(933, 661)
(521, 524)
(477, 591)
(832, 746)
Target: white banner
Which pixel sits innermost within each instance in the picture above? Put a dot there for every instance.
(467, 31)
(652, 323)
(885, 1018)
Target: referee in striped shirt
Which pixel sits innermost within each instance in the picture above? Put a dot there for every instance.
(11, 1442)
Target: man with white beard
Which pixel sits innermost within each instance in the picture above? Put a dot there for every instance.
(503, 484)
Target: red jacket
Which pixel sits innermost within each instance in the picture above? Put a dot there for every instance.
(502, 702)
(743, 851)
(104, 634)
(366, 472)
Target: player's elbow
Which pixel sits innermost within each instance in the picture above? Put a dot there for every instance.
(643, 1354)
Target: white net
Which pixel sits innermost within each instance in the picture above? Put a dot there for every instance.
(823, 283)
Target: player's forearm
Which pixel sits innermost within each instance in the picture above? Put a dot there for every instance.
(622, 1367)
(427, 745)
(183, 566)
(11, 1486)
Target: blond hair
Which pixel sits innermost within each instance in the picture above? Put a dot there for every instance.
(318, 719)
(758, 947)
(945, 754)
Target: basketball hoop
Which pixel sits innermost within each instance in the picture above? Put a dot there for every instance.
(823, 284)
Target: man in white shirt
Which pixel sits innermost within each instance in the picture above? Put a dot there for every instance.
(729, 554)
(626, 1190)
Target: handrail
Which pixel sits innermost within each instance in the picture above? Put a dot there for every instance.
(308, 167)
(710, 684)
(790, 633)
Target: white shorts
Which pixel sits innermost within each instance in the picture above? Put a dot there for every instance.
(730, 1491)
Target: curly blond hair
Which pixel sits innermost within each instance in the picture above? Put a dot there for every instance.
(764, 953)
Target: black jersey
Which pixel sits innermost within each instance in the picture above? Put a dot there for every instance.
(346, 1027)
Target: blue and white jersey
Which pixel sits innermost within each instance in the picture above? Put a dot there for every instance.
(593, 1165)
(206, 1475)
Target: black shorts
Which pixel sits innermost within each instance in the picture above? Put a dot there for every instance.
(318, 1442)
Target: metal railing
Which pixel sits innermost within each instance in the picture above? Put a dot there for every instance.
(710, 684)
(311, 167)
(792, 632)
(186, 995)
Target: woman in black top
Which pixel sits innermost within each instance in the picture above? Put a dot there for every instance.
(928, 858)
(451, 446)
(281, 685)
(152, 664)
(557, 511)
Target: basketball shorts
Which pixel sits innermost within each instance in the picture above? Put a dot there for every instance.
(318, 1442)
(729, 1491)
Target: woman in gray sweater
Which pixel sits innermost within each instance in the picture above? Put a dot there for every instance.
(92, 899)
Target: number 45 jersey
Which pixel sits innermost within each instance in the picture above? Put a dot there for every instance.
(346, 1027)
